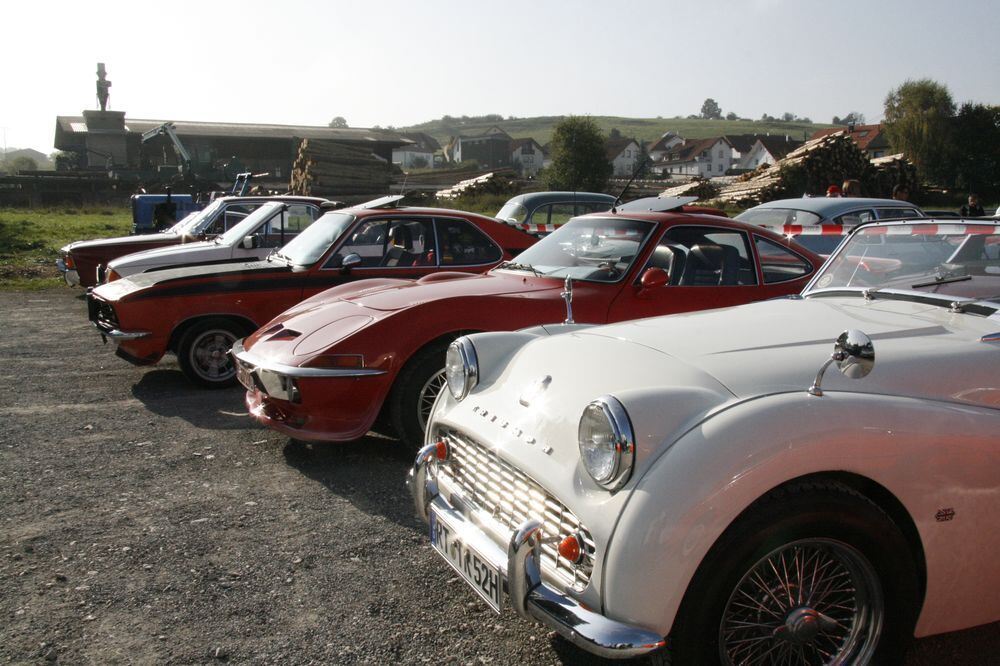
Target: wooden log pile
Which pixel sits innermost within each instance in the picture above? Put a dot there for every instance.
(889, 171)
(698, 187)
(325, 168)
(501, 182)
(809, 169)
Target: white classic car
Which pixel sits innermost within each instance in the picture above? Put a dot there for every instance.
(268, 227)
(705, 486)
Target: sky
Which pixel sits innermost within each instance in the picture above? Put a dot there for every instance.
(398, 63)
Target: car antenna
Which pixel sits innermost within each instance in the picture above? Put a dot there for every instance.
(635, 174)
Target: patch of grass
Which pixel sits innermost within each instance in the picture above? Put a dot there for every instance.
(30, 240)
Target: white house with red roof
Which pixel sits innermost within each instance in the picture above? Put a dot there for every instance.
(698, 157)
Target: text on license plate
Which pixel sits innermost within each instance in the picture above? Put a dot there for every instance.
(243, 376)
(477, 572)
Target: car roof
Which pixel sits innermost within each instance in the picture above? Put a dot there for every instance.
(253, 198)
(833, 206)
(536, 198)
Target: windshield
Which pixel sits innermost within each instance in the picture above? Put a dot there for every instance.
(776, 217)
(961, 260)
(512, 212)
(249, 223)
(306, 248)
(190, 224)
(586, 248)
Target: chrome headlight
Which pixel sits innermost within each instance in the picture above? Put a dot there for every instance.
(607, 444)
(461, 368)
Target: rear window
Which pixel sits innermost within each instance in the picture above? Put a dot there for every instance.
(778, 216)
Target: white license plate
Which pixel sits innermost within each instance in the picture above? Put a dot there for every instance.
(243, 376)
(476, 570)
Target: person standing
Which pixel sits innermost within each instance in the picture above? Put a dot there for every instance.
(973, 208)
(901, 193)
(851, 187)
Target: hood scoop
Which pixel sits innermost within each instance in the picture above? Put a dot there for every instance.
(279, 332)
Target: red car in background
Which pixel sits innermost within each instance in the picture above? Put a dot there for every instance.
(83, 262)
(198, 312)
(329, 367)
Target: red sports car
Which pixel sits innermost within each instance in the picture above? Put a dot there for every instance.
(199, 311)
(327, 368)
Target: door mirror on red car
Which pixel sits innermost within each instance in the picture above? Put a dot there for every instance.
(653, 278)
(350, 260)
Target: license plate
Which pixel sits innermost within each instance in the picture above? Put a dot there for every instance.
(243, 376)
(475, 569)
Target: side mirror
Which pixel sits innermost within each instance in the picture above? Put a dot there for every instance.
(251, 242)
(349, 261)
(654, 277)
(854, 354)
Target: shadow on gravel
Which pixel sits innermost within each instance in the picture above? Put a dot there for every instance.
(369, 473)
(169, 393)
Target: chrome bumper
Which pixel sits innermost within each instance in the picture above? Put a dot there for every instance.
(116, 334)
(529, 596)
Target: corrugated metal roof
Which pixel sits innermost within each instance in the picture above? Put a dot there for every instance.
(77, 124)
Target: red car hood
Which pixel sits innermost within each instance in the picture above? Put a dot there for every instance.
(347, 307)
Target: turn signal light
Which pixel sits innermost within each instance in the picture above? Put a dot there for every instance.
(68, 260)
(113, 275)
(337, 361)
(571, 548)
(441, 451)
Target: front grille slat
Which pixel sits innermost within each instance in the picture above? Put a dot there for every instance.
(496, 488)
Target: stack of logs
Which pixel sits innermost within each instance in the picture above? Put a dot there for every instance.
(814, 166)
(325, 168)
(500, 182)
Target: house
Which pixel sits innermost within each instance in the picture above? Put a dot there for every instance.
(698, 157)
(492, 149)
(664, 144)
(766, 149)
(871, 139)
(624, 155)
(527, 157)
(417, 155)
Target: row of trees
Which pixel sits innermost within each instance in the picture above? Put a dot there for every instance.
(710, 110)
(951, 147)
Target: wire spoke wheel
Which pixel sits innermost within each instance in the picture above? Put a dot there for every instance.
(428, 394)
(812, 601)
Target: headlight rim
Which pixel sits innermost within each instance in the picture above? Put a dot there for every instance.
(470, 368)
(624, 441)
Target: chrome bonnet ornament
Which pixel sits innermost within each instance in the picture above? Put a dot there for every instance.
(567, 295)
(854, 354)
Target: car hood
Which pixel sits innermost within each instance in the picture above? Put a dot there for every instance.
(161, 255)
(156, 280)
(779, 345)
(121, 240)
(392, 295)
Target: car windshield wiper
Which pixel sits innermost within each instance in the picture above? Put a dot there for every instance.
(941, 280)
(513, 265)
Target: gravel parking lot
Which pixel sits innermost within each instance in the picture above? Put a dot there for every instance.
(147, 521)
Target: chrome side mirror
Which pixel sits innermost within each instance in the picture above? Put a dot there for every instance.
(854, 354)
(352, 259)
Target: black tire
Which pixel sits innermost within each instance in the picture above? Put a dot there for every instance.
(203, 352)
(414, 393)
(833, 525)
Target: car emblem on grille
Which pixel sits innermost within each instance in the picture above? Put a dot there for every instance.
(535, 391)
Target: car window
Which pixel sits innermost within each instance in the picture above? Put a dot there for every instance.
(705, 256)
(884, 213)
(582, 208)
(854, 218)
(461, 243)
(395, 242)
(778, 263)
(284, 226)
(778, 216)
(561, 213)
(232, 215)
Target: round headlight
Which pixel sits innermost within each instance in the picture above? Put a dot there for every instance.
(461, 368)
(607, 445)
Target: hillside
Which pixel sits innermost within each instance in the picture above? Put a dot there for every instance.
(644, 129)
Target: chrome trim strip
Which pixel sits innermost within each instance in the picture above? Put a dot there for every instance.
(295, 371)
(991, 337)
(116, 334)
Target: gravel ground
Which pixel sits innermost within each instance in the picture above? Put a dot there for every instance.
(145, 521)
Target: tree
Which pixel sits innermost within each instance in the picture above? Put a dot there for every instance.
(21, 163)
(732, 116)
(788, 116)
(976, 138)
(614, 133)
(710, 109)
(918, 122)
(852, 118)
(338, 122)
(579, 160)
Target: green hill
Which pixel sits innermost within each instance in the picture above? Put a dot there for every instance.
(644, 129)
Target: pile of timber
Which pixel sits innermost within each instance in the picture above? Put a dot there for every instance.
(809, 169)
(502, 182)
(892, 170)
(700, 188)
(325, 168)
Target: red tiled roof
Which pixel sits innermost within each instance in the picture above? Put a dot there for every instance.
(863, 135)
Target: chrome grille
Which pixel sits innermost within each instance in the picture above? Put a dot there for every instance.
(101, 313)
(500, 490)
